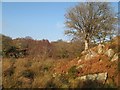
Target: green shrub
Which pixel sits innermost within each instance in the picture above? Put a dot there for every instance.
(9, 71)
(64, 78)
(50, 84)
(73, 72)
(45, 68)
(28, 74)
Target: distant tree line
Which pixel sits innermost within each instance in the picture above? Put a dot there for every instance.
(10, 49)
(22, 47)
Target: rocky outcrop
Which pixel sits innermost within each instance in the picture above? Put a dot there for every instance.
(82, 78)
(115, 57)
(102, 77)
(90, 55)
(99, 77)
(92, 77)
(109, 53)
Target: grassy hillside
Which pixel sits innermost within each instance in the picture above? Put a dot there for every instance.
(60, 65)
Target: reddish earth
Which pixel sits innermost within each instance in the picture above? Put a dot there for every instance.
(98, 64)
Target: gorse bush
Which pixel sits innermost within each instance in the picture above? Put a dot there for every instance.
(50, 65)
(50, 84)
(40, 75)
(9, 72)
(64, 78)
(73, 72)
(28, 74)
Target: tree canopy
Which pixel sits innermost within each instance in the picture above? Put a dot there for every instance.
(91, 21)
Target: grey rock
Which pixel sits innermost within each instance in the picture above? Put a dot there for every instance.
(102, 76)
(115, 57)
(93, 53)
(91, 77)
(90, 55)
(83, 78)
(79, 61)
(109, 53)
(87, 57)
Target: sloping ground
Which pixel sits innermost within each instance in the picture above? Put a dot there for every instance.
(104, 62)
(85, 71)
(99, 64)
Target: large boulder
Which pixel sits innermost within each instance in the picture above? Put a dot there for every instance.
(109, 53)
(102, 77)
(92, 77)
(90, 55)
(83, 78)
(99, 77)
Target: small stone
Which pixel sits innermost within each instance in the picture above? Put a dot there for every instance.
(79, 61)
(54, 75)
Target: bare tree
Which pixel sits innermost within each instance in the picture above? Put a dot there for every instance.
(90, 20)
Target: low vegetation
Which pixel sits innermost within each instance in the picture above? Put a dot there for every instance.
(56, 65)
(89, 60)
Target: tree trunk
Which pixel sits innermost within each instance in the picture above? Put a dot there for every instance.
(86, 44)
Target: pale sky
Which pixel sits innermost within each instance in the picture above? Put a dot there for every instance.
(40, 20)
